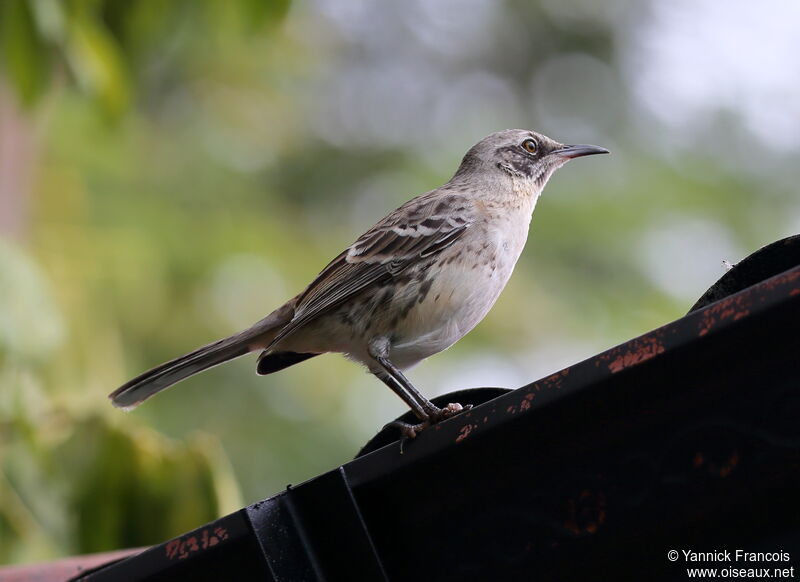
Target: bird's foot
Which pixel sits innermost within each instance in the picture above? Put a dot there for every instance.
(449, 411)
(407, 430)
(410, 431)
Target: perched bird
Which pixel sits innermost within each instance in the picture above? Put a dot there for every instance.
(408, 288)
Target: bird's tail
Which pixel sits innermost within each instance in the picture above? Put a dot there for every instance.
(136, 391)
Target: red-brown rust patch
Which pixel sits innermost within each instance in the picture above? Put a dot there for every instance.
(641, 349)
(732, 308)
(782, 279)
(182, 547)
(555, 380)
(526, 402)
(465, 431)
(551, 382)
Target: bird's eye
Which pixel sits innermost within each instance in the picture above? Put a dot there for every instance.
(530, 146)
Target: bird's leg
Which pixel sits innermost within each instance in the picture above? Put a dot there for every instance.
(407, 430)
(400, 385)
(425, 410)
(419, 410)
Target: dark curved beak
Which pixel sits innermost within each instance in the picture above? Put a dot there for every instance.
(577, 151)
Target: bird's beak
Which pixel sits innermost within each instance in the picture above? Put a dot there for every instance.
(577, 151)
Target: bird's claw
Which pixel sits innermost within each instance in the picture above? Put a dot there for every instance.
(450, 411)
(407, 430)
(410, 431)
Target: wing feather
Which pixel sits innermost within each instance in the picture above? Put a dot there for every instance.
(410, 233)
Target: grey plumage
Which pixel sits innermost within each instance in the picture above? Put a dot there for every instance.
(411, 286)
(142, 387)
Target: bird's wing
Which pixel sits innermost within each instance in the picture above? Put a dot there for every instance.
(420, 228)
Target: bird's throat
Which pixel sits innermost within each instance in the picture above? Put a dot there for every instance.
(525, 193)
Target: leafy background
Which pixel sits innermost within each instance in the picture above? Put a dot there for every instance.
(172, 171)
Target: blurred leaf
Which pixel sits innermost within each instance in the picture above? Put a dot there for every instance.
(49, 17)
(150, 29)
(24, 56)
(137, 487)
(95, 59)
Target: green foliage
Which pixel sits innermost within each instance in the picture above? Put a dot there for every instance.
(160, 488)
(107, 48)
(24, 56)
(75, 475)
(73, 480)
(90, 486)
(95, 59)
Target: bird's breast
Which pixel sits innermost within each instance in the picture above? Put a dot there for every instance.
(458, 290)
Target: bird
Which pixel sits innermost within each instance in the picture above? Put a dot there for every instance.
(409, 287)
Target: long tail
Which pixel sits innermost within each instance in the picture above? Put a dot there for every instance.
(136, 391)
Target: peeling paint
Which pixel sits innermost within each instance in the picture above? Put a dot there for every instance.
(782, 279)
(465, 431)
(182, 547)
(526, 402)
(732, 308)
(639, 350)
(555, 380)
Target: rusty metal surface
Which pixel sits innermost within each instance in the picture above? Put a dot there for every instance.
(685, 437)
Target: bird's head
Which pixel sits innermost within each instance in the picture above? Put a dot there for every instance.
(522, 154)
